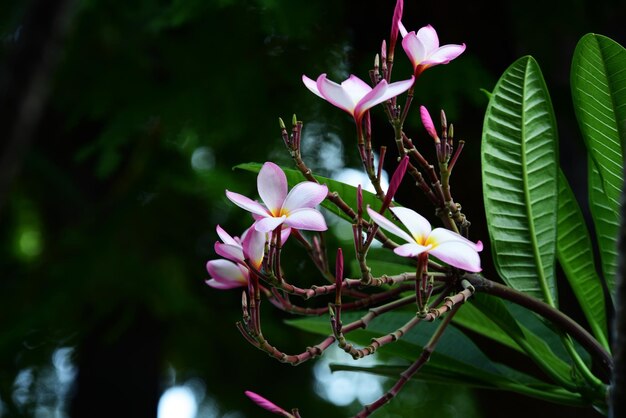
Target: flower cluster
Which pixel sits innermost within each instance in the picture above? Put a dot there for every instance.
(253, 261)
(281, 210)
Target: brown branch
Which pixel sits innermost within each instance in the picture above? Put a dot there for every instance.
(557, 317)
(429, 348)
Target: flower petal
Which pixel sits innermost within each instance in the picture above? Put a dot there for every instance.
(272, 185)
(225, 236)
(306, 219)
(441, 235)
(231, 252)
(305, 195)
(247, 204)
(311, 85)
(254, 247)
(269, 224)
(418, 226)
(227, 273)
(428, 36)
(403, 31)
(336, 94)
(371, 99)
(457, 254)
(398, 87)
(355, 87)
(410, 250)
(389, 226)
(222, 286)
(414, 49)
(381, 93)
(444, 55)
(284, 233)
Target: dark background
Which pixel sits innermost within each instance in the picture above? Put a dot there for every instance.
(106, 225)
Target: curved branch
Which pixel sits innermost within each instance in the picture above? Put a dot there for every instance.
(557, 317)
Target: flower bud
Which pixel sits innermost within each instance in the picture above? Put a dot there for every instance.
(267, 405)
(428, 124)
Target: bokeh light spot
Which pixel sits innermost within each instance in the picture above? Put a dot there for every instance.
(177, 402)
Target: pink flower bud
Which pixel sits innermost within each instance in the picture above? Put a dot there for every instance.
(428, 123)
(267, 405)
(383, 52)
(397, 17)
(394, 184)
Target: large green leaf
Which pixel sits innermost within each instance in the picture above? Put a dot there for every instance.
(519, 170)
(607, 224)
(471, 318)
(575, 254)
(598, 81)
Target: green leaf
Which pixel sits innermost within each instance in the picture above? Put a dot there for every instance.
(519, 170)
(456, 359)
(523, 384)
(486, 92)
(347, 192)
(607, 224)
(382, 261)
(575, 254)
(471, 318)
(598, 79)
(536, 347)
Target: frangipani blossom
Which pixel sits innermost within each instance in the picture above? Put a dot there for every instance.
(423, 48)
(294, 209)
(446, 245)
(231, 271)
(354, 95)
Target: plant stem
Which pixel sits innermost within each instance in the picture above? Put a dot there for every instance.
(412, 369)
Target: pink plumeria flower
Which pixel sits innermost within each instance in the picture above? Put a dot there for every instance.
(423, 48)
(354, 95)
(293, 210)
(446, 245)
(231, 271)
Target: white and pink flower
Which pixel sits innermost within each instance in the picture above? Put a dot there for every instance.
(446, 245)
(354, 95)
(231, 271)
(292, 209)
(423, 48)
